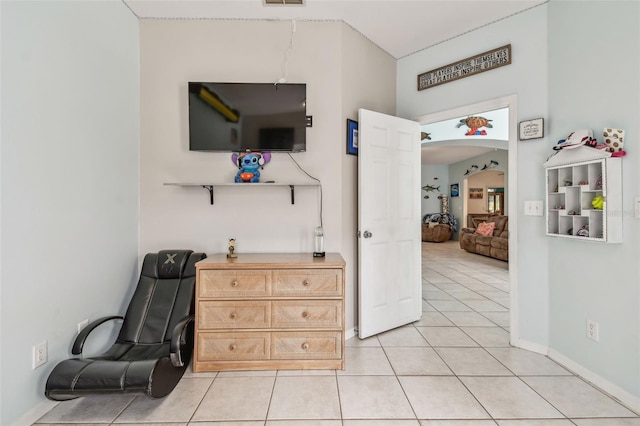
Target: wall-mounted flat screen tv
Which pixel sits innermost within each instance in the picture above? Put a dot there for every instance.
(239, 117)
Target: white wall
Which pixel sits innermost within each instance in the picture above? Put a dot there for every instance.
(598, 281)
(174, 52)
(526, 77)
(69, 180)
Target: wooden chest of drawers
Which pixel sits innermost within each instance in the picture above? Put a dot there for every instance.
(269, 311)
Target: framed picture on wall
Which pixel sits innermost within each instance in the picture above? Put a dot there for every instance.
(476, 193)
(455, 190)
(352, 137)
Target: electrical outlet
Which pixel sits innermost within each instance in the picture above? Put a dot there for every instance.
(82, 324)
(592, 330)
(39, 354)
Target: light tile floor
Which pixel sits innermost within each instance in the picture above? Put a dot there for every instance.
(454, 367)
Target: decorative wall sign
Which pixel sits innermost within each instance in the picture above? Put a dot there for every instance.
(531, 129)
(476, 64)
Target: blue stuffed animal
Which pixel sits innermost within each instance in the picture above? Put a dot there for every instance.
(248, 164)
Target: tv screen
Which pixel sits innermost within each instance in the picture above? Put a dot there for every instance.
(242, 117)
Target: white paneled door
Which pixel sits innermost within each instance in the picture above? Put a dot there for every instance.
(389, 250)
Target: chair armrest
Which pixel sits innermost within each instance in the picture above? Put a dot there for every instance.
(78, 344)
(178, 340)
(467, 231)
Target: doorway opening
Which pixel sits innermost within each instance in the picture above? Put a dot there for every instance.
(508, 199)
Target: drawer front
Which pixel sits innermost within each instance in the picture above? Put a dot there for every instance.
(232, 284)
(307, 282)
(233, 346)
(307, 313)
(233, 314)
(309, 345)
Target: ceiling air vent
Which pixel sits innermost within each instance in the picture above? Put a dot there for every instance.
(284, 2)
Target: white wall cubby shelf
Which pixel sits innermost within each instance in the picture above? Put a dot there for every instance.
(210, 186)
(574, 178)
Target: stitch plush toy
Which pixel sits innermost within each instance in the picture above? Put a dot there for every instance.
(249, 163)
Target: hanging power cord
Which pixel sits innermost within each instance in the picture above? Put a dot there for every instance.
(314, 178)
(285, 62)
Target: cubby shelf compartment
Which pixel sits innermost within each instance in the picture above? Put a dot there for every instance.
(574, 178)
(210, 186)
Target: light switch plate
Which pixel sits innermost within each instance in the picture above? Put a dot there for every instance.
(533, 208)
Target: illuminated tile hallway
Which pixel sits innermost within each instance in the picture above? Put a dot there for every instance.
(454, 367)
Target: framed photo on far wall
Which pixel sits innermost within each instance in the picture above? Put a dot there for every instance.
(352, 137)
(455, 190)
(476, 193)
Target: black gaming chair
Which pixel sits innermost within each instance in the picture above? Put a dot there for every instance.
(155, 342)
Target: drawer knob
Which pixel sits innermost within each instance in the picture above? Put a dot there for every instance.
(232, 347)
(305, 346)
(305, 314)
(234, 283)
(232, 315)
(305, 283)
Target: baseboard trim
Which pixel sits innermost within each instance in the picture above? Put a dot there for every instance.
(531, 346)
(348, 334)
(626, 398)
(33, 415)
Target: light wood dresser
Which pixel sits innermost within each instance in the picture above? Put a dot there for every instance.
(268, 311)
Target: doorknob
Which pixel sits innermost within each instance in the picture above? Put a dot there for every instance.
(367, 234)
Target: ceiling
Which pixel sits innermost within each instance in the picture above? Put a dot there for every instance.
(399, 27)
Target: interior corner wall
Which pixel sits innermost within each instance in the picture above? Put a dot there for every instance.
(587, 280)
(375, 91)
(174, 52)
(69, 176)
(525, 77)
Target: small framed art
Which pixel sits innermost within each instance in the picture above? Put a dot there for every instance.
(352, 137)
(455, 190)
(476, 193)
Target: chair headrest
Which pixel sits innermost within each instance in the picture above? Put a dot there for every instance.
(171, 264)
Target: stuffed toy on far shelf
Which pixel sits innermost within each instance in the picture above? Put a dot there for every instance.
(249, 164)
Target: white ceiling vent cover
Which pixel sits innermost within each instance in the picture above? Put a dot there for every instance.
(284, 2)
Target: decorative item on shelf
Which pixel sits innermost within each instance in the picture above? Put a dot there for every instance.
(430, 188)
(249, 164)
(599, 183)
(583, 232)
(576, 139)
(598, 202)
(232, 248)
(613, 139)
(319, 242)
